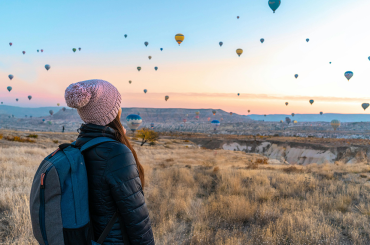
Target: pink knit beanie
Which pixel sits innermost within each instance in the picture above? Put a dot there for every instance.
(97, 101)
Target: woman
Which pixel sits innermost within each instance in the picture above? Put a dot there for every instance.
(115, 175)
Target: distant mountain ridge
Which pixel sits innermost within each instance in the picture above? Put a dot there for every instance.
(326, 117)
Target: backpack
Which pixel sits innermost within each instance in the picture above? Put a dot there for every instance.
(59, 203)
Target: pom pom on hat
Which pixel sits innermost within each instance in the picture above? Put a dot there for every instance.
(77, 95)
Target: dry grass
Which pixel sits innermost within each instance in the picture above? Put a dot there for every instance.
(19, 139)
(197, 196)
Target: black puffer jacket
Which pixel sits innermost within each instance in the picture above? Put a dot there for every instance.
(114, 183)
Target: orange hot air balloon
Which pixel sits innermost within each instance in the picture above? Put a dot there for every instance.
(208, 119)
(179, 38)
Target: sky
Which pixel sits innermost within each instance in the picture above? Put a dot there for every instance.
(198, 73)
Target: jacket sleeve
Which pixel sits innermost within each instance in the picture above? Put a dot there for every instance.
(122, 176)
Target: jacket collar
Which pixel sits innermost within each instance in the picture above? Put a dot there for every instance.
(90, 131)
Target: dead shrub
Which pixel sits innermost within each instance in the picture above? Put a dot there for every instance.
(216, 169)
(292, 169)
(35, 136)
(55, 141)
(19, 139)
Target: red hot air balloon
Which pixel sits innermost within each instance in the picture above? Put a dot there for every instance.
(10, 44)
(23, 52)
(42, 50)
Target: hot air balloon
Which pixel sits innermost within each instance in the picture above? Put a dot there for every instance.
(239, 51)
(329, 62)
(249, 111)
(58, 104)
(307, 40)
(23, 52)
(79, 49)
(51, 112)
(214, 112)
(293, 114)
(296, 76)
(238, 94)
(208, 119)
(179, 38)
(10, 44)
(74, 50)
(16, 100)
(133, 122)
(139, 68)
(64, 109)
(125, 35)
(47, 67)
(286, 103)
(29, 97)
(1, 102)
(221, 43)
(369, 57)
(38, 51)
(231, 113)
(311, 101)
(42, 50)
(9, 88)
(264, 115)
(294, 121)
(348, 74)
(145, 90)
(146, 44)
(281, 121)
(197, 113)
(161, 49)
(43, 120)
(335, 124)
(155, 68)
(152, 125)
(166, 97)
(274, 4)
(262, 40)
(287, 120)
(150, 57)
(237, 17)
(365, 105)
(321, 113)
(184, 120)
(215, 124)
(197, 117)
(10, 76)
(130, 82)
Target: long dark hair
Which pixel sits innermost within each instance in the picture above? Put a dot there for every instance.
(121, 137)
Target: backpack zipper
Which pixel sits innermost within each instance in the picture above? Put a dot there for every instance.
(42, 206)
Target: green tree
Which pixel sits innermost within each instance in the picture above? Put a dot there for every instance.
(146, 135)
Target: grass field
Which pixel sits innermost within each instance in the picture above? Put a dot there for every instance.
(199, 196)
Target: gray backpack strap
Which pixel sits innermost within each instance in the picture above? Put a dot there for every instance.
(94, 142)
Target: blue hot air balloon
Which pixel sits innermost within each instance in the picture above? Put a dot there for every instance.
(47, 67)
(365, 105)
(152, 125)
(215, 124)
(238, 94)
(262, 40)
(307, 40)
(29, 97)
(38, 51)
(145, 90)
(369, 57)
(125, 35)
(161, 49)
(146, 44)
(16, 99)
(321, 113)
(329, 62)
(287, 120)
(9, 88)
(133, 122)
(155, 68)
(10, 76)
(220, 43)
(296, 76)
(348, 74)
(274, 4)
(43, 120)
(311, 101)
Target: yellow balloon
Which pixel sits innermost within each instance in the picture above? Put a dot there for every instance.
(58, 104)
(179, 38)
(239, 51)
